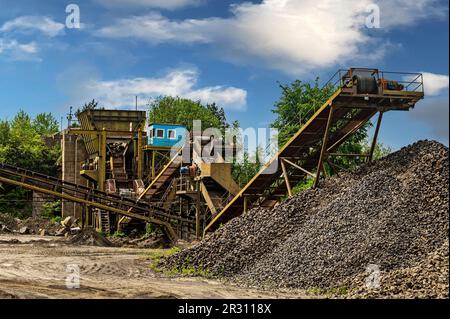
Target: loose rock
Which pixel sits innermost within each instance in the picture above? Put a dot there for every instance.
(391, 214)
(24, 230)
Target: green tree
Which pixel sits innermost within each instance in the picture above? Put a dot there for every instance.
(380, 150)
(250, 165)
(184, 111)
(297, 103)
(45, 124)
(25, 145)
(92, 105)
(22, 145)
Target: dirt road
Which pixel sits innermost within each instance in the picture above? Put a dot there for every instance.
(36, 267)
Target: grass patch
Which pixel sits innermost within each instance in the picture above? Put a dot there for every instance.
(118, 234)
(189, 271)
(155, 256)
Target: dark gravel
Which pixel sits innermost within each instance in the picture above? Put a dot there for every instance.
(392, 213)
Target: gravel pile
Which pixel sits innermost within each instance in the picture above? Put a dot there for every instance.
(428, 279)
(7, 222)
(36, 224)
(90, 237)
(392, 213)
(33, 224)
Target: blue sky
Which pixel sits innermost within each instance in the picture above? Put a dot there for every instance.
(230, 52)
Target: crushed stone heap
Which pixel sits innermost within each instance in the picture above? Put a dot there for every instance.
(392, 213)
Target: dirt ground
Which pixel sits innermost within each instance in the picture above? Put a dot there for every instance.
(36, 267)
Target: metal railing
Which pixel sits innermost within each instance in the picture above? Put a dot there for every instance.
(411, 82)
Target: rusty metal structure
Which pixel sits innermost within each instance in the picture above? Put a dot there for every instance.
(118, 180)
(360, 94)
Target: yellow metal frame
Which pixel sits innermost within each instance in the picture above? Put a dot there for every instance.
(293, 138)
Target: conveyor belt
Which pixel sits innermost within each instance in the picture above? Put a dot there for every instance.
(350, 112)
(84, 195)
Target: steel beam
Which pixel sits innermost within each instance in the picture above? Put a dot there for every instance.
(96, 132)
(286, 178)
(350, 154)
(102, 161)
(198, 233)
(299, 167)
(349, 133)
(324, 146)
(375, 137)
(245, 204)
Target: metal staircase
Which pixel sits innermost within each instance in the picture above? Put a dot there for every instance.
(105, 225)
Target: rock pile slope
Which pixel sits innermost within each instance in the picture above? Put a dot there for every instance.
(391, 214)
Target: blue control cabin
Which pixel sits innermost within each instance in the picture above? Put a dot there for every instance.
(166, 135)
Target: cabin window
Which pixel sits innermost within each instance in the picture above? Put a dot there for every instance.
(152, 133)
(171, 134)
(160, 133)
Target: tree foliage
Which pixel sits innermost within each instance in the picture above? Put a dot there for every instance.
(248, 167)
(23, 144)
(297, 103)
(91, 105)
(177, 110)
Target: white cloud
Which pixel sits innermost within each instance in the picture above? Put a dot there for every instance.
(435, 84)
(156, 29)
(434, 112)
(289, 35)
(403, 13)
(163, 4)
(13, 50)
(181, 82)
(41, 24)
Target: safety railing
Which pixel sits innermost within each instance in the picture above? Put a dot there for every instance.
(411, 82)
(403, 81)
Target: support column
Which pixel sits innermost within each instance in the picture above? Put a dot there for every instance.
(375, 137)
(286, 179)
(198, 233)
(153, 164)
(140, 155)
(245, 204)
(324, 146)
(102, 161)
(324, 170)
